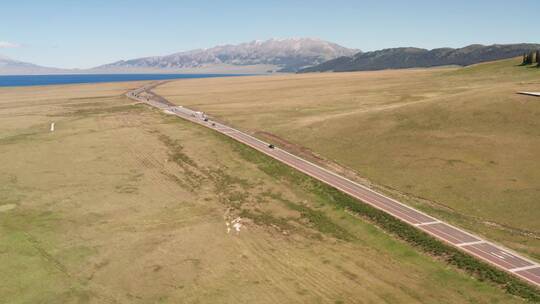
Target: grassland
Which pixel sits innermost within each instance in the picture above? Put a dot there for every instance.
(455, 142)
(122, 204)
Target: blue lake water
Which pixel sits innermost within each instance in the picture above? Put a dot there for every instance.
(33, 80)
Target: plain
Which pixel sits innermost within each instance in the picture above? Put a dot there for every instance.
(123, 204)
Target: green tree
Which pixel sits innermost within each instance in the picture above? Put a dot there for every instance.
(532, 57)
(526, 59)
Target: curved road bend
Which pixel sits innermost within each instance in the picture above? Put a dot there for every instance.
(493, 254)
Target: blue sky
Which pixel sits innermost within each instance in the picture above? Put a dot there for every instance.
(77, 33)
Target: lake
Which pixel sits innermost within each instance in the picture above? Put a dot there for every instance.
(33, 80)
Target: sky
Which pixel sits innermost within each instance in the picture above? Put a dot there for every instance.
(83, 33)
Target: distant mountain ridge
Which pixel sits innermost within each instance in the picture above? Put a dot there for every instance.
(14, 67)
(286, 55)
(409, 57)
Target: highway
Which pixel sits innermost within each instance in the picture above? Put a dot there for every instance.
(484, 250)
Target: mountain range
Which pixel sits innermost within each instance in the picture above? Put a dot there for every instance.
(285, 55)
(10, 66)
(409, 57)
(273, 55)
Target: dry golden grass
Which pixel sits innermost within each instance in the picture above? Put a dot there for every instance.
(122, 204)
(455, 142)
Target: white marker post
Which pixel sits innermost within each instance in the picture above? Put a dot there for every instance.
(52, 126)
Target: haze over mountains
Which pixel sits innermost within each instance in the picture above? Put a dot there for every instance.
(10, 66)
(399, 58)
(285, 55)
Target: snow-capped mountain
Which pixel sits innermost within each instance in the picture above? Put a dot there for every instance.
(282, 54)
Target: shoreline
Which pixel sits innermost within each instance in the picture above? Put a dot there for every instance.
(10, 81)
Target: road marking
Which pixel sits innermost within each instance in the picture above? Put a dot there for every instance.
(524, 268)
(470, 243)
(496, 255)
(427, 223)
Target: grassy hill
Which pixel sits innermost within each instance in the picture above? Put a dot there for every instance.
(409, 57)
(123, 204)
(455, 142)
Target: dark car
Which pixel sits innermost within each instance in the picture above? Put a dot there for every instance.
(271, 146)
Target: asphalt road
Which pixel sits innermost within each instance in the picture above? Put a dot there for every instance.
(491, 253)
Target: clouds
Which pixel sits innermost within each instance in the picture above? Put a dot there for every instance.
(8, 45)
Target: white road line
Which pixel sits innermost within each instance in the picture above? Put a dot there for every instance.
(470, 243)
(428, 223)
(508, 254)
(496, 255)
(524, 268)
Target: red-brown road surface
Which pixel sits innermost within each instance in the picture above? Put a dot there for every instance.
(496, 255)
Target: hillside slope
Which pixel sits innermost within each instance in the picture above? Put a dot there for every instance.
(399, 58)
(10, 66)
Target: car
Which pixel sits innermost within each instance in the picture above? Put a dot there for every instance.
(206, 119)
(213, 124)
(271, 146)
